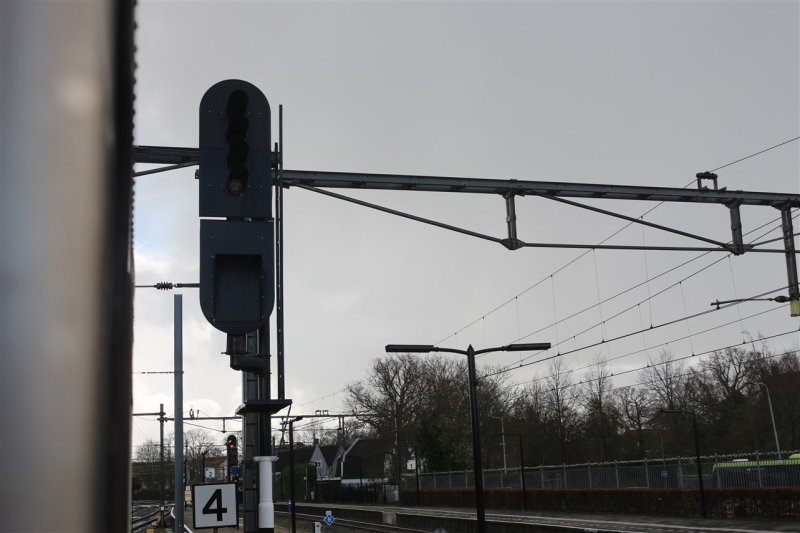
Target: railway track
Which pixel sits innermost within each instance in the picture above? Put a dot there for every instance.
(143, 516)
(355, 524)
(562, 522)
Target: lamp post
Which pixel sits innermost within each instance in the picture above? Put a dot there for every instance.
(697, 454)
(470, 352)
(291, 468)
(772, 416)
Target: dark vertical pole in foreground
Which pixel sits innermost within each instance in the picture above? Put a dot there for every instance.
(699, 466)
(476, 440)
(522, 474)
(178, 341)
(279, 256)
(250, 444)
(66, 102)
(291, 471)
(264, 393)
(161, 416)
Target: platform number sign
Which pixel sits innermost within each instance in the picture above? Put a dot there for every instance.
(215, 505)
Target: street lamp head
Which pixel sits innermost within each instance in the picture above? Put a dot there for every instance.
(526, 347)
(296, 419)
(410, 348)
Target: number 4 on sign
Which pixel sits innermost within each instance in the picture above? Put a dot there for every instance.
(219, 510)
(215, 505)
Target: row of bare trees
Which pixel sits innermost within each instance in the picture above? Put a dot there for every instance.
(421, 403)
(197, 443)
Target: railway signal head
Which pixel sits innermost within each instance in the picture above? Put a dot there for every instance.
(235, 180)
(236, 249)
(231, 447)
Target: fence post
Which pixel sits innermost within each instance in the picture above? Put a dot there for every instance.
(616, 472)
(646, 474)
(466, 480)
(680, 474)
(564, 473)
(541, 475)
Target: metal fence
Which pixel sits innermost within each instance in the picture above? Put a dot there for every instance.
(744, 470)
(365, 493)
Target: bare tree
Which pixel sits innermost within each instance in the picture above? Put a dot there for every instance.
(146, 463)
(782, 376)
(392, 398)
(393, 392)
(636, 405)
(529, 411)
(666, 377)
(601, 417)
(560, 402)
(197, 443)
(727, 373)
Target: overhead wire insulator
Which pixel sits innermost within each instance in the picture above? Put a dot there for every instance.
(164, 286)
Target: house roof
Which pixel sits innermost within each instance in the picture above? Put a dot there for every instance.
(301, 455)
(330, 452)
(364, 457)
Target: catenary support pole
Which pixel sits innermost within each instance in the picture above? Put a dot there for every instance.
(178, 345)
(476, 440)
(791, 261)
(161, 419)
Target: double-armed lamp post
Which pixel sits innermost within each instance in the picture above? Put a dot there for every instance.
(471, 352)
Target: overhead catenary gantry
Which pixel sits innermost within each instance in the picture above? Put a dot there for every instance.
(509, 189)
(241, 243)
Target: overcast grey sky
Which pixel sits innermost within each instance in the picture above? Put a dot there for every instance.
(642, 93)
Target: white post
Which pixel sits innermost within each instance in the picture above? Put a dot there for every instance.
(266, 509)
